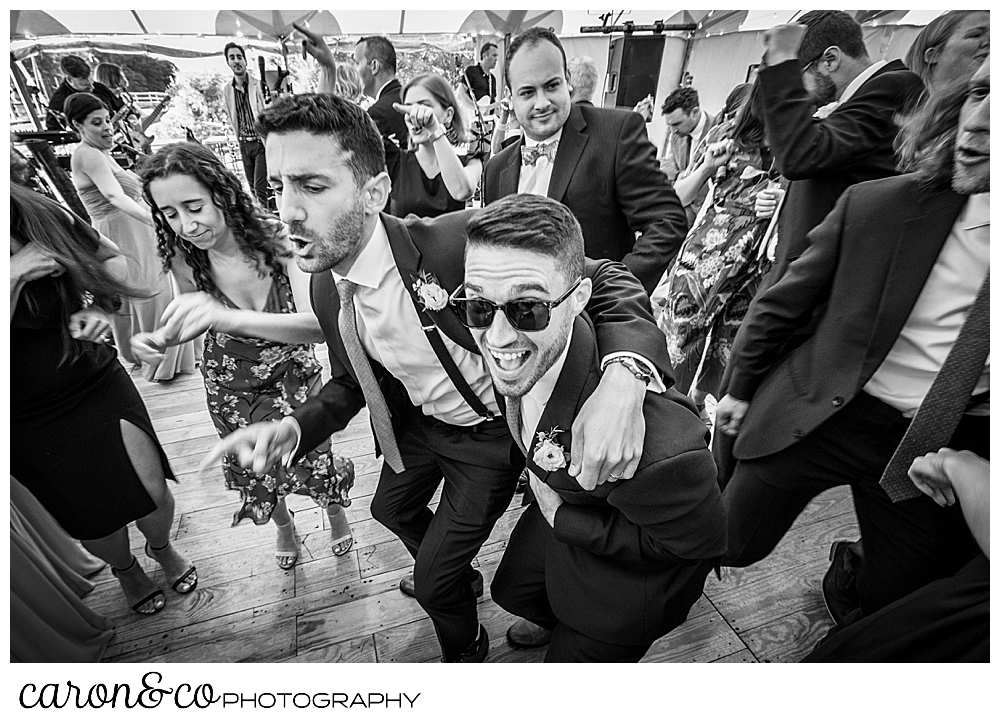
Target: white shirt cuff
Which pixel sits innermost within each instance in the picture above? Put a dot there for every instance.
(286, 461)
(655, 385)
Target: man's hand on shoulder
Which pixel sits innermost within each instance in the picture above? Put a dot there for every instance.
(609, 431)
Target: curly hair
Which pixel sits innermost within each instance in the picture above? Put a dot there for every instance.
(438, 87)
(253, 230)
(684, 99)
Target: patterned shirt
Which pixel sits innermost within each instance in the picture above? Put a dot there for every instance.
(244, 113)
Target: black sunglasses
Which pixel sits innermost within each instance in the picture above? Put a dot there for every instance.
(523, 314)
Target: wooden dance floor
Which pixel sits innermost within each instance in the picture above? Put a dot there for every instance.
(349, 609)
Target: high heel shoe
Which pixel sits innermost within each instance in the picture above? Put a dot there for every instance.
(287, 557)
(340, 543)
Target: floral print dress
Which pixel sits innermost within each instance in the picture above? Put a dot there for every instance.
(252, 380)
(717, 272)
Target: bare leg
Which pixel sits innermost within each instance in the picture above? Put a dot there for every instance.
(155, 526)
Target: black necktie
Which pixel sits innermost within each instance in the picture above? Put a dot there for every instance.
(946, 400)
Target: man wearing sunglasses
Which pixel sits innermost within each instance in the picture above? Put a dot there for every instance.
(605, 571)
(399, 349)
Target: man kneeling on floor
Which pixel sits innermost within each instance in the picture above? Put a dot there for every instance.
(599, 575)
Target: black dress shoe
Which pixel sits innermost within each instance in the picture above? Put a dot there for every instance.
(840, 593)
(525, 634)
(476, 652)
(406, 585)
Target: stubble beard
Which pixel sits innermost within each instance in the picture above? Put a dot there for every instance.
(342, 239)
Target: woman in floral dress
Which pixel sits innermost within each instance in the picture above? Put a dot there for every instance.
(705, 295)
(244, 289)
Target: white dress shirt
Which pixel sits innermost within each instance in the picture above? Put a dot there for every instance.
(905, 376)
(535, 179)
(390, 332)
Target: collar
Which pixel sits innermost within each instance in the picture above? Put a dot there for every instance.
(865, 74)
(551, 139)
(374, 262)
(699, 129)
(378, 94)
(246, 82)
(976, 212)
(542, 391)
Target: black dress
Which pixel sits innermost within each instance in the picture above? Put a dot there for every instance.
(413, 192)
(66, 442)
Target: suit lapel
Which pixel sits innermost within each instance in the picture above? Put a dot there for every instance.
(510, 174)
(571, 144)
(409, 265)
(576, 381)
(917, 246)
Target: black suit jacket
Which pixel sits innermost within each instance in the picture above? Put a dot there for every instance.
(867, 263)
(54, 120)
(621, 566)
(618, 305)
(390, 123)
(821, 158)
(605, 171)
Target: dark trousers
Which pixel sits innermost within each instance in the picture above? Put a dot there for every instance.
(519, 587)
(255, 167)
(479, 481)
(946, 621)
(907, 544)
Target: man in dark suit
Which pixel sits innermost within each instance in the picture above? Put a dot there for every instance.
(597, 162)
(375, 59)
(611, 569)
(822, 61)
(896, 270)
(397, 347)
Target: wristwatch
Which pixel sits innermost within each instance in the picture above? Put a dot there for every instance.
(639, 370)
(436, 134)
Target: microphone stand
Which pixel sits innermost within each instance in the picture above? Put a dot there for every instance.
(480, 137)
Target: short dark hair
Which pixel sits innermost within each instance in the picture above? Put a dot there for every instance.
(230, 46)
(75, 67)
(531, 222)
(79, 105)
(378, 47)
(684, 98)
(531, 38)
(324, 114)
(485, 49)
(830, 27)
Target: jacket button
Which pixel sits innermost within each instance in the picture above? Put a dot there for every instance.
(837, 401)
(797, 434)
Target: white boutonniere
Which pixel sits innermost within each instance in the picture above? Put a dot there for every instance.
(429, 292)
(549, 454)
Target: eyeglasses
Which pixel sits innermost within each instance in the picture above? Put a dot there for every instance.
(523, 314)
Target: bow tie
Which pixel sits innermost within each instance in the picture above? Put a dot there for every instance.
(530, 154)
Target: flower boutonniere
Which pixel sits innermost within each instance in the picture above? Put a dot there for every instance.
(429, 292)
(549, 454)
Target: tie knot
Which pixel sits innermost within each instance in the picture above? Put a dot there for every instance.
(530, 154)
(346, 289)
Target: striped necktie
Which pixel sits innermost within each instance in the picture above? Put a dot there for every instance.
(377, 408)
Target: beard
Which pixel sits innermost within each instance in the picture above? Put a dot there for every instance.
(825, 91)
(969, 181)
(340, 241)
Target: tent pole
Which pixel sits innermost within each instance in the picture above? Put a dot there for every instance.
(402, 17)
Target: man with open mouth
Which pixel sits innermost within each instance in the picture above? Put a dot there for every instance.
(380, 289)
(606, 571)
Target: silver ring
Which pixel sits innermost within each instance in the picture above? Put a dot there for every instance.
(616, 476)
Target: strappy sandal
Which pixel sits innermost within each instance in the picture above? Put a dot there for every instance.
(287, 557)
(178, 584)
(343, 544)
(152, 597)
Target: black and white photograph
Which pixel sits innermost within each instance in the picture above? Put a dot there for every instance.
(444, 335)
